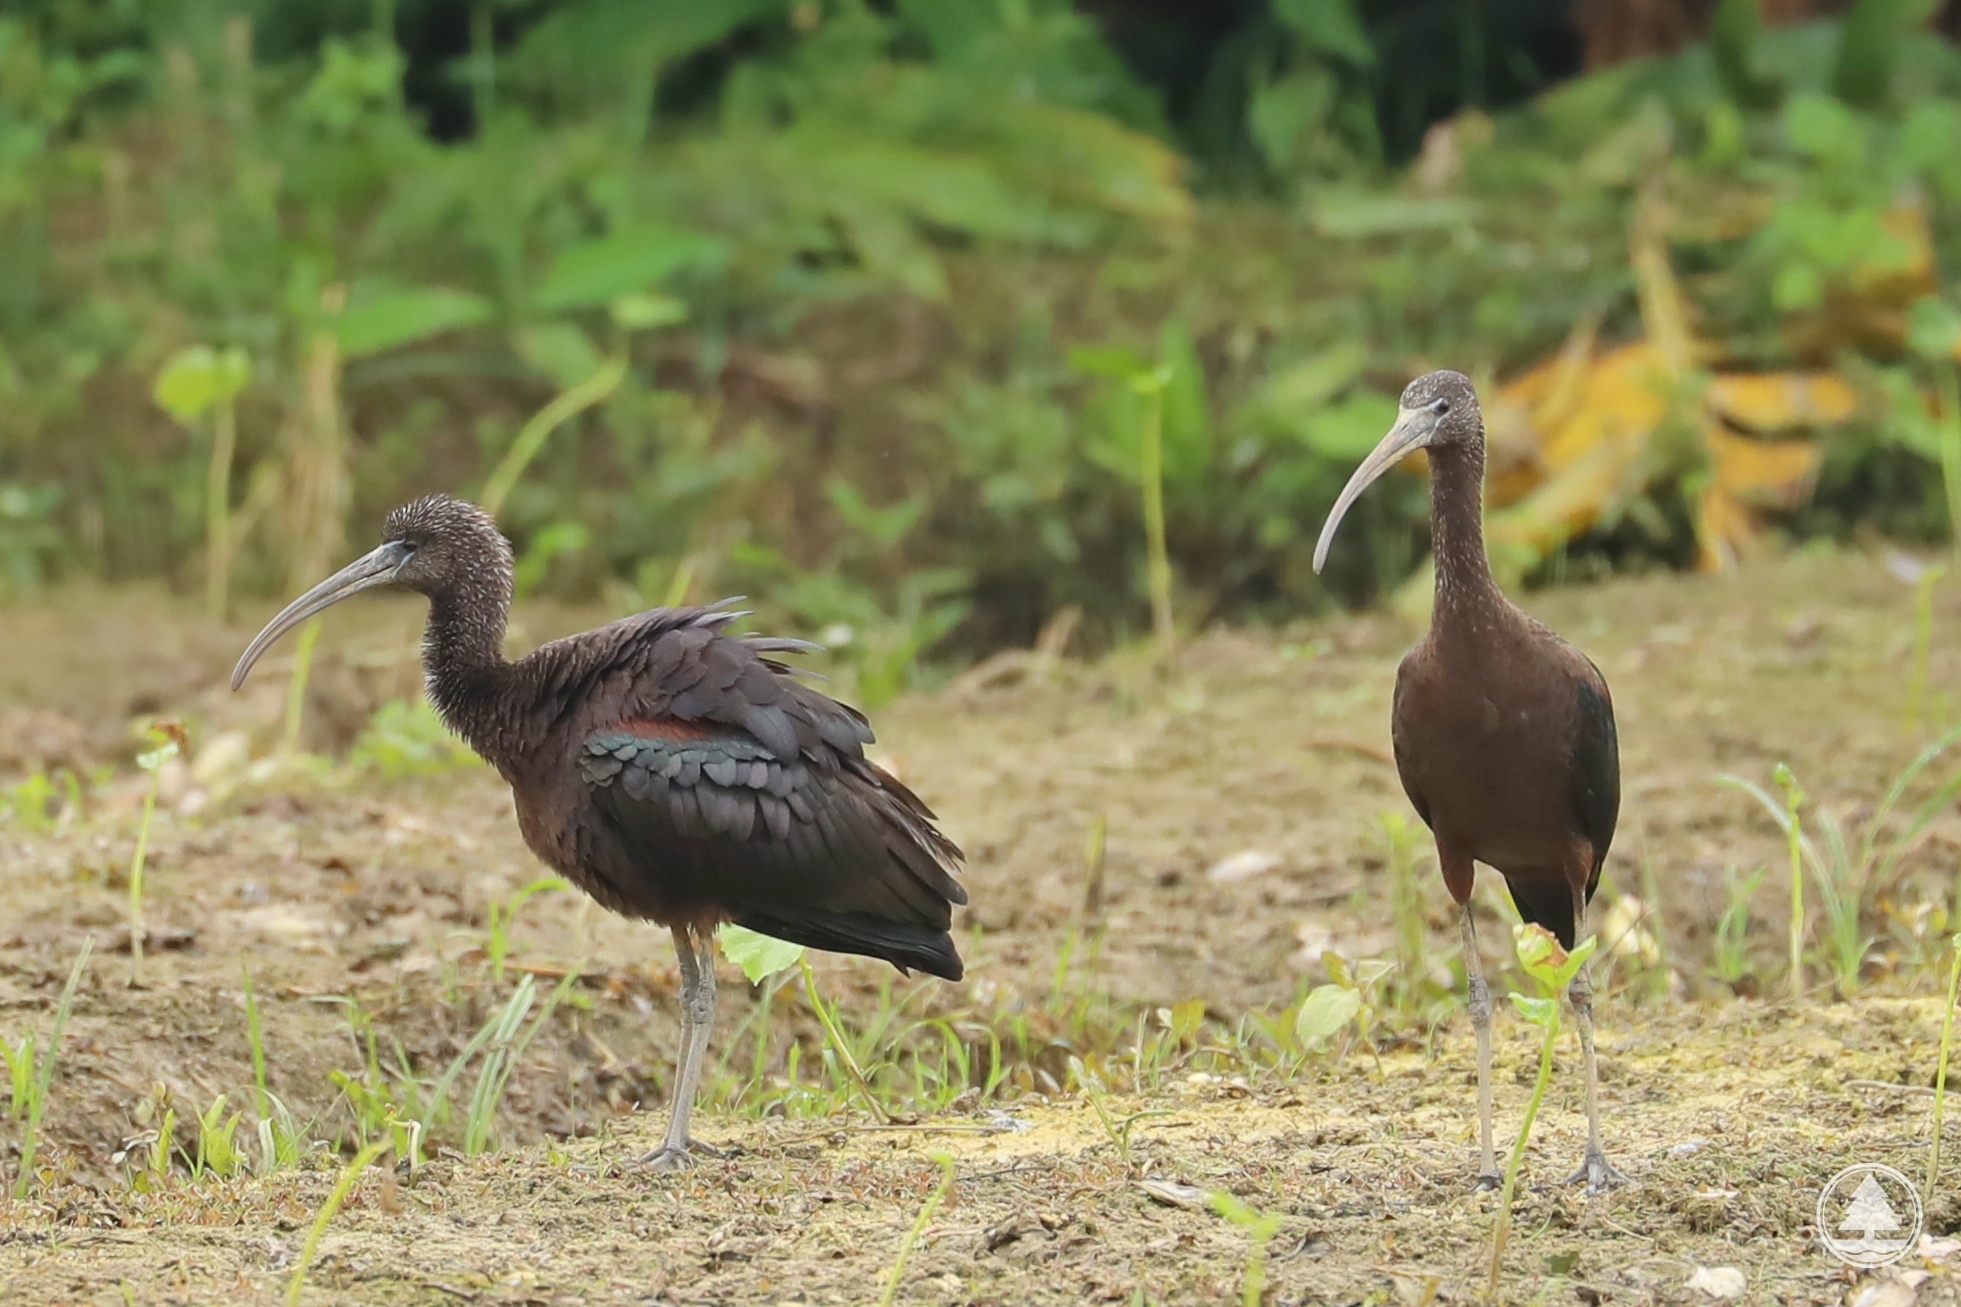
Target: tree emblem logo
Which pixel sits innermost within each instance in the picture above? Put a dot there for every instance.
(1869, 1215)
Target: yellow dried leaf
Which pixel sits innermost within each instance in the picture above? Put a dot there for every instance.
(1761, 473)
(1568, 502)
(1724, 528)
(1623, 399)
(1772, 402)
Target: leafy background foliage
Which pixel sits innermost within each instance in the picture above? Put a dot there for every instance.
(839, 253)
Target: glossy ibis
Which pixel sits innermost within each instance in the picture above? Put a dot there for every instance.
(1503, 732)
(675, 772)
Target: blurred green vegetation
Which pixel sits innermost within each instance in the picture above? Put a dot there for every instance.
(779, 296)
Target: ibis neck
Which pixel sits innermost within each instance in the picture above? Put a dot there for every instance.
(1465, 587)
(463, 658)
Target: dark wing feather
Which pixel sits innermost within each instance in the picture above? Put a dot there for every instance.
(739, 792)
(1596, 769)
(1404, 772)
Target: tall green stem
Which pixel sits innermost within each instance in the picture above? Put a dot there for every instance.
(136, 862)
(296, 688)
(1794, 843)
(1923, 641)
(1949, 381)
(842, 1049)
(217, 513)
(1502, 1230)
(1152, 468)
(1940, 1074)
(335, 1197)
(531, 438)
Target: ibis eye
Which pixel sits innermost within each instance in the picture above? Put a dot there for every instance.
(1441, 407)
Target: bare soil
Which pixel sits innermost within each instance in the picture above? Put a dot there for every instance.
(1728, 1107)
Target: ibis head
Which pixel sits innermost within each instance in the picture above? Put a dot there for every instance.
(1437, 409)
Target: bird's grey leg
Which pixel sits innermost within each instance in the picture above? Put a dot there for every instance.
(1480, 1002)
(697, 957)
(1598, 1173)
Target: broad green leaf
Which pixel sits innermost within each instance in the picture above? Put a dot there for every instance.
(1373, 214)
(593, 53)
(1324, 1012)
(624, 263)
(759, 956)
(1538, 950)
(1934, 328)
(1295, 392)
(1185, 1017)
(886, 526)
(1290, 112)
(646, 312)
(393, 319)
(1539, 1011)
(561, 351)
(1821, 126)
(198, 379)
(1107, 361)
(152, 760)
(1574, 961)
(1328, 27)
(1369, 970)
(1186, 413)
(1346, 432)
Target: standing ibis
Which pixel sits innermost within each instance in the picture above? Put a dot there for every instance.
(675, 772)
(1503, 732)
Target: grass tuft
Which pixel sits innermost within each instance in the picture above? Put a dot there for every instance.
(1260, 1228)
(34, 1070)
(926, 1210)
(338, 1195)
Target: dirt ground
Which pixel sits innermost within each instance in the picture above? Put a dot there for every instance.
(1241, 794)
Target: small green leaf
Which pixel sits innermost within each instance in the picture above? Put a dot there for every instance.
(1370, 970)
(561, 351)
(646, 312)
(1324, 1012)
(1337, 968)
(1933, 328)
(1185, 1017)
(1538, 951)
(392, 319)
(1107, 361)
(199, 379)
(1347, 431)
(1571, 966)
(153, 759)
(626, 262)
(759, 956)
(1539, 1011)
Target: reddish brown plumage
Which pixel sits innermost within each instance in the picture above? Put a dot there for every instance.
(675, 772)
(1504, 734)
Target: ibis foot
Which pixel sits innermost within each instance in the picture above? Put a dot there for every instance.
(672, 1157)
(1598, 1173)
(1487, 1181)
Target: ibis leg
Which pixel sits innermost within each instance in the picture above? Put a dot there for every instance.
(1480, 1002)
(697, 957)
(1598, 1173)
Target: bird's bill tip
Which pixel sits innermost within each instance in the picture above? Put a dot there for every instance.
(377, 567)
(1411, 432)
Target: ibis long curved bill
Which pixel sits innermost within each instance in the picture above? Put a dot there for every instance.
(1414, 430)
(375, 568)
